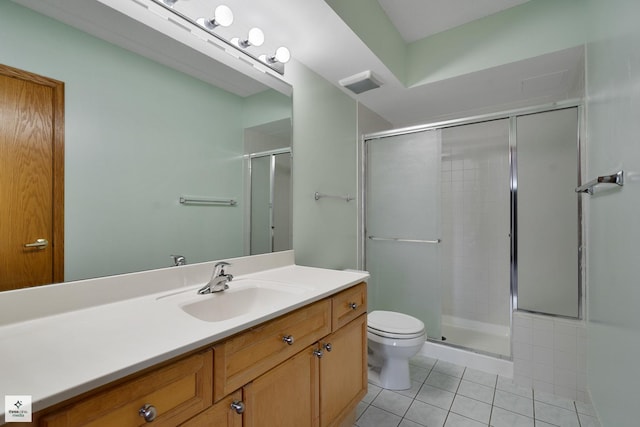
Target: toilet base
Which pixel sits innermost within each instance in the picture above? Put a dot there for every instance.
(392, 375)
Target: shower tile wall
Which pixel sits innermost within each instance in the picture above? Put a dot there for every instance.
(476, 223)
(549, 354)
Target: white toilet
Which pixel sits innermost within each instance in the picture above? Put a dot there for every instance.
(393, 338)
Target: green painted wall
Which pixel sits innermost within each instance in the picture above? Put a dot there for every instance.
(138, 135)
(535, 28)
(264, 107)
(324, 160)
(531, 29)
(613, 108)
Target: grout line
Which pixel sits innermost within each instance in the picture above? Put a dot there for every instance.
(533, 402)
(577, 414)
(493, 399)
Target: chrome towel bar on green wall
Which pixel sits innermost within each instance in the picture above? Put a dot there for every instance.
(189, 200)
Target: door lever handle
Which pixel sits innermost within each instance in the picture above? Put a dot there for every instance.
(39, 244)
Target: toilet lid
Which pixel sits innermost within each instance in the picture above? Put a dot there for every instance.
(394, 323)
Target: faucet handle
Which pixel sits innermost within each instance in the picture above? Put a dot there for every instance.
(178, 260)
(219, 268)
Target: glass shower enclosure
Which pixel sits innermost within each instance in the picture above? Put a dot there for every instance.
(440, 216)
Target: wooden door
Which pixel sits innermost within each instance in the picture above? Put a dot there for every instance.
(343, 372)
(31, 179)
(285, 396)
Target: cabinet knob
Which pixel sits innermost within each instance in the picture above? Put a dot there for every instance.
(148, 412)
(238, 406)
(318, 353)
(327, 346)
(288, 339)
(353, 305)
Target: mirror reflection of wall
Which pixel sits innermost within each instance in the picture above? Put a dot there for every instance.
(138, 136)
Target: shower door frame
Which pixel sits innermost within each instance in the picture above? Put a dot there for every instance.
(272, 160)
(512, 116)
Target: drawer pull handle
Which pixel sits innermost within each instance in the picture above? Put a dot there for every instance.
(327, 346)
(148, 412)
(353, 306)
(237, 406)
(288, 339)
(318, 353)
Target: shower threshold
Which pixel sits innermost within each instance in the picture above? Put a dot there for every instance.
(489, 340)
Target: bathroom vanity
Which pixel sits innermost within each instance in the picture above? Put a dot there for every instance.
(295, 356)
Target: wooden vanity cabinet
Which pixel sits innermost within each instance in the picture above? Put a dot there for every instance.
(244, 357)
(177, 392)
(322, 384)
(306, 368)
(316, 387)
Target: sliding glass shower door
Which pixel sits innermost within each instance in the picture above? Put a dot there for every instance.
(403, 226)
(270, 212)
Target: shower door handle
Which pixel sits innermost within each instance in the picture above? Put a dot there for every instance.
(398, 239)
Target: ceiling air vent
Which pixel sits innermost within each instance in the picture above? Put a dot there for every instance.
(361, 82)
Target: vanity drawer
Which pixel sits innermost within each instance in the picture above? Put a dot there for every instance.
(348, 304)
(177, 391)
(241, 359)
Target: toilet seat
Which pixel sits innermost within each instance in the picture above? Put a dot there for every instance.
(389, 324)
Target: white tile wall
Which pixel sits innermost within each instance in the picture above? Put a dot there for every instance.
(549, 355)
(475, 222)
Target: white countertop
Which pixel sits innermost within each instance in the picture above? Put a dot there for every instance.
(58, 356)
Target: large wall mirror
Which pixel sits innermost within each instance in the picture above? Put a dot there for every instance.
(139, 136)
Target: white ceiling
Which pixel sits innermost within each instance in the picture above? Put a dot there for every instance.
(417, 19)
(320, 40)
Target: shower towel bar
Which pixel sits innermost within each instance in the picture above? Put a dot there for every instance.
(318, 196)
(396, 239)
(189, 200)
(616, 178)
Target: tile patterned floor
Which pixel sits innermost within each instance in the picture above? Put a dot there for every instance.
(444, 394)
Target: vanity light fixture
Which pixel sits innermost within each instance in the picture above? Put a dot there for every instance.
(282, 56)
(255, 38)
(222, 16)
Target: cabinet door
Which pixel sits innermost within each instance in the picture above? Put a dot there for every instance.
(219, 415)
(343, 373)
(285, 396)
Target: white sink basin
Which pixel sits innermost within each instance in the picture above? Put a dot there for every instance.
(244, 296)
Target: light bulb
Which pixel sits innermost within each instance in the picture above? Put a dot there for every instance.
(223, 16)
(256, 37)
(282, 55)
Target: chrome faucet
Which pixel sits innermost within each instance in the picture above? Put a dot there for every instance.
(178, 260)
(219, 280)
